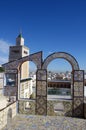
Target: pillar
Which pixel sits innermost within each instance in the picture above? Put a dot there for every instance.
(78, 94)
(41, 92)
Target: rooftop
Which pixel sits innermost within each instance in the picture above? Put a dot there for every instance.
(60, 81)
(32, 122)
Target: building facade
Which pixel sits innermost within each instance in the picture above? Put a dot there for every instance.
(26, 88)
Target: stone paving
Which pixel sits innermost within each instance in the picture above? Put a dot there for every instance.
(30, 122)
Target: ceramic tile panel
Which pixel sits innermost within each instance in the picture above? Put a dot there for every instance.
(41, 105)
(78, 86)
(41, 75)
(78, 94)
(78, 75)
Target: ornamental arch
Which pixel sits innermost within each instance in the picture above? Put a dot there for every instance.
(63, 55)
(41, 81)
(78, 85)
(13, 68)
(36, 58)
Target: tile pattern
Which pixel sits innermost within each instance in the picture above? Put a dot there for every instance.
(41, 75)
(30, 111)
(78, 75)
(41, 93)
(67, 108)
(41, 88)
(78, 94)
(25, 122)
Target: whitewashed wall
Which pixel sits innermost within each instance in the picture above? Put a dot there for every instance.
(4, 114)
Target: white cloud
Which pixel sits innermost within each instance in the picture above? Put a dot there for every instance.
(4, 51)
(3, 59)
(4, 46)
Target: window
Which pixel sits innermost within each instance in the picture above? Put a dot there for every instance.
(15, 51)
(11, 80)
(25, 52)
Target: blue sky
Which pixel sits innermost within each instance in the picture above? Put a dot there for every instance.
(47, 25)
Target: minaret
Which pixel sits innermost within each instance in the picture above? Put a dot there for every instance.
(19, 51)
(20, 40)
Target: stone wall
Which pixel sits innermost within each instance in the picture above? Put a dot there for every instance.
(5, 114)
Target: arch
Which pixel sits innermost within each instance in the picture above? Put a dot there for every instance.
(41, 91)
(63, 55)
(36, 58)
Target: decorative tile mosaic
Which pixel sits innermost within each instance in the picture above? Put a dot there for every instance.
(78, 75)
(41, 105)
(79, 94)
(78, 99)
(41, 88)
(78, 86)
(78, 110)
(23, 110)
(67, 111)
(41, 75)
(78, 102)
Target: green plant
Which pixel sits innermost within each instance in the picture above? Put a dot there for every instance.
(1, 69)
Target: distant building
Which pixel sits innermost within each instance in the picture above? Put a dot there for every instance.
(26, 88)
(59, 84)
(59, 87)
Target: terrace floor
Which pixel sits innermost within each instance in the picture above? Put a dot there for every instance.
(30, 122)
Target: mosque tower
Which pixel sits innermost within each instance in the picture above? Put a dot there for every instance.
(18, 51)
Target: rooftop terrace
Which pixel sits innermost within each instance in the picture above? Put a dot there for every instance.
(30, 122)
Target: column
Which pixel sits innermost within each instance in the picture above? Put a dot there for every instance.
(41, 92)
(78, 94)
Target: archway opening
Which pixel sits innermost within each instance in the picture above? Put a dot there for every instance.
(59, 79)
(28, 80)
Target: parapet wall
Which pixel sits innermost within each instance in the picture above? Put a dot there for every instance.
(59, 108)
(64, 109)
(6, 113)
